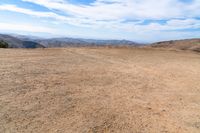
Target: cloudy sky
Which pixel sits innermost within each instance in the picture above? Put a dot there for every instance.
(137, 20)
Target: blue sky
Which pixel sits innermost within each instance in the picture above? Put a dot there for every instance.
(137, 20)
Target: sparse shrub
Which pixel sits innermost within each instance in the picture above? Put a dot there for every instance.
(3, 44)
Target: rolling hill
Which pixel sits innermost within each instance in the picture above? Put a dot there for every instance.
(187, 44)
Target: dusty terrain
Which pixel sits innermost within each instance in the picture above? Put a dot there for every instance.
(103, 90)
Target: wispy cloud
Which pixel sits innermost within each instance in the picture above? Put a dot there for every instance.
(14, 8)
(126, 9)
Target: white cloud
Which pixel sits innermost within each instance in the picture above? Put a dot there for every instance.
(112, 13)
(14, 8)
(78, 21)
(174, 24)
(126, 9)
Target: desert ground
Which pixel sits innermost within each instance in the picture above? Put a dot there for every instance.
(99, 90)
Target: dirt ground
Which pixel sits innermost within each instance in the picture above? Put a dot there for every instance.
(99, 90)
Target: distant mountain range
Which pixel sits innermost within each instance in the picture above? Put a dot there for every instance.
(20, 41)
(64, 42)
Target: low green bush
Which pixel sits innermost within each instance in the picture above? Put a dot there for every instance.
(3, 44)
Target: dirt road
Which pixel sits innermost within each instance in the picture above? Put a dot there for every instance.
(99, 90)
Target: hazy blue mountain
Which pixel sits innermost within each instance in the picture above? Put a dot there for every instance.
(64, 42)
(12, 41)
(21, 41)
(31, 44)
(15, 42)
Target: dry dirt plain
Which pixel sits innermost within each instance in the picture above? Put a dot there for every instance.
(99, 90)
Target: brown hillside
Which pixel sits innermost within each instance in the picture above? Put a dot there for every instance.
(189, 44)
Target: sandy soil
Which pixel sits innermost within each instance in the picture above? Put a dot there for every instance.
(99, 90)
